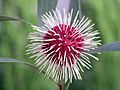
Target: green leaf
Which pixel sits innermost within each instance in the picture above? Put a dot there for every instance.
(62, 6)
(10, 60)
(8, 18)
(74, 5)
(45, 6)
(107, 48)
(79, 5)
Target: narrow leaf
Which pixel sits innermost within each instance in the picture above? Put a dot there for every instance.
(10, 60)
(44, 6)
(74, 4)
(39, 12)
(108, 48)
(8, 18)
(79, 5)
(62, 6)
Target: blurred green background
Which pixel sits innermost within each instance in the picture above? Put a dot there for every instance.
(105, 74)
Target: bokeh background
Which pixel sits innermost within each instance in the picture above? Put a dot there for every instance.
(105, 74)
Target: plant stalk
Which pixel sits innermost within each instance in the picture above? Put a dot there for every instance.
(60, 85)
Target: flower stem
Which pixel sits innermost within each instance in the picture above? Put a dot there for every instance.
(60, 85)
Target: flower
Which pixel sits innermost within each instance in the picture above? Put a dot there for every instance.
(61, 47)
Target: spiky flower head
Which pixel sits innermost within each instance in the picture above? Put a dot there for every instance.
(61, 47)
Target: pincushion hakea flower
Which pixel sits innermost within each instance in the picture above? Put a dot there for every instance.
(61, 47)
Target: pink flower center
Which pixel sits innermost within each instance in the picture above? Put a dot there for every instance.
(64, 44)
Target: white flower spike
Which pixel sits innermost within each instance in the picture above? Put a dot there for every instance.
(60, 47)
